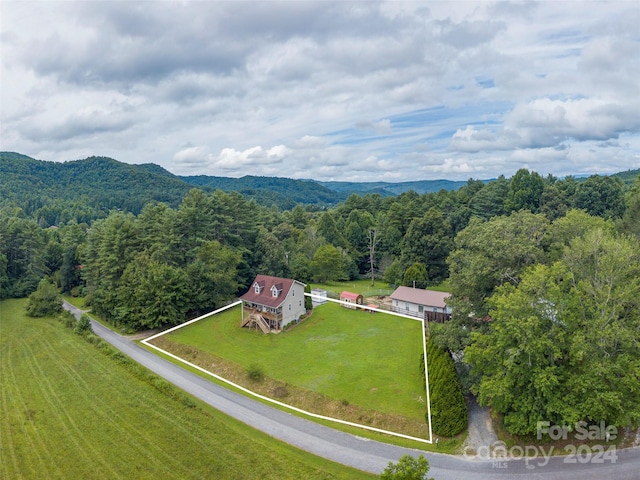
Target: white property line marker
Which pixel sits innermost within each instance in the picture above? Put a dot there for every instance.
(291, 407)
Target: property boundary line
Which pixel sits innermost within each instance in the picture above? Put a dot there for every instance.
(291, 407)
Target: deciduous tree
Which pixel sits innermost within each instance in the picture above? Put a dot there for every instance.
(407, 468)
(327, 263)
(489, 254)
(428, 241)
(46, 300)
(601, 196)
(563, 344)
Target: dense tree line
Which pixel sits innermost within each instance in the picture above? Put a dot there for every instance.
(543, 273)
(547, 318)
(420, 238)
(564, 343)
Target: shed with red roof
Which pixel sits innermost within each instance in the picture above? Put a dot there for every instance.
(353, 299)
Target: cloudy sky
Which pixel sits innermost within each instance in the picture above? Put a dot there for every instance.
(363, 91)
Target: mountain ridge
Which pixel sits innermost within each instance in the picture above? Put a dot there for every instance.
(115, 184)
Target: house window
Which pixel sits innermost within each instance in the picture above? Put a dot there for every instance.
(289, 306)
(299, 303)
(406, 306)
(256, 287)
(274, 292)
(396, 302)
(420, 308)
(293, 292)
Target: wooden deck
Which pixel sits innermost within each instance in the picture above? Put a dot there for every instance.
(437, 317)
(265, 321)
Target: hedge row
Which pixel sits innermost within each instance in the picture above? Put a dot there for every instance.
(448, 410)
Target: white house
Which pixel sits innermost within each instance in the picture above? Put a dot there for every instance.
(271, 303)
(417, 302)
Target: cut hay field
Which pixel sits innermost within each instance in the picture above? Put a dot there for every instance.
(70, 411)
(350, 356)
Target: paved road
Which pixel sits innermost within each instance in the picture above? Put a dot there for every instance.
(357, 452)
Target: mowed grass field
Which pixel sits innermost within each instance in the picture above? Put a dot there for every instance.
(369, 360)
(70, 411)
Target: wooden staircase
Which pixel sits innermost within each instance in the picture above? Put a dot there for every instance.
(255, 319)
(262, 323)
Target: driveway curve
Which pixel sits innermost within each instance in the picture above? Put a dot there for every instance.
(357, 452)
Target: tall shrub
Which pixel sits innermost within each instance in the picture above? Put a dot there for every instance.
(448, 410)
(45, 300)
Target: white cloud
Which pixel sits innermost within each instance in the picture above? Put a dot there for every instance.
(191, 156)
(472, 139)
(546, 122)
(549, 123)
(254, 157)
(325, 90)
(453, 166)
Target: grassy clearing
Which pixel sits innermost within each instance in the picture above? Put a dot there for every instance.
(360, 286)
(69, 411)
(355, 365)
(77, 302)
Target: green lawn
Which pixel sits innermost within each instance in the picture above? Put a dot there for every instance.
(77, 302)
(369, 360)
(70, 411)
(361, 286)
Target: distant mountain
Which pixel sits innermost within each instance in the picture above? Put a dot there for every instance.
(285, 193)
(629, 177)
(103, 183)
(389, 188)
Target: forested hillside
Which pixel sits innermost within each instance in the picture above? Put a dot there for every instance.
(285, 193)
(84, 189)
(544, 272)
(96, 185)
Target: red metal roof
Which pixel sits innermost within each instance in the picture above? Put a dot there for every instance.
(350, 296)
(265, 297)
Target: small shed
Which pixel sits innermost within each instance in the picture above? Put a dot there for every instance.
(354, 299)
(318, 297)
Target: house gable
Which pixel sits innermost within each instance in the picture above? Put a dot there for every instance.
(258, 287)
(269, 291)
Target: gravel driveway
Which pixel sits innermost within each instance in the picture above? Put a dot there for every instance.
(481, 432)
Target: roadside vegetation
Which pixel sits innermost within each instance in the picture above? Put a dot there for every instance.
(72, 409)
